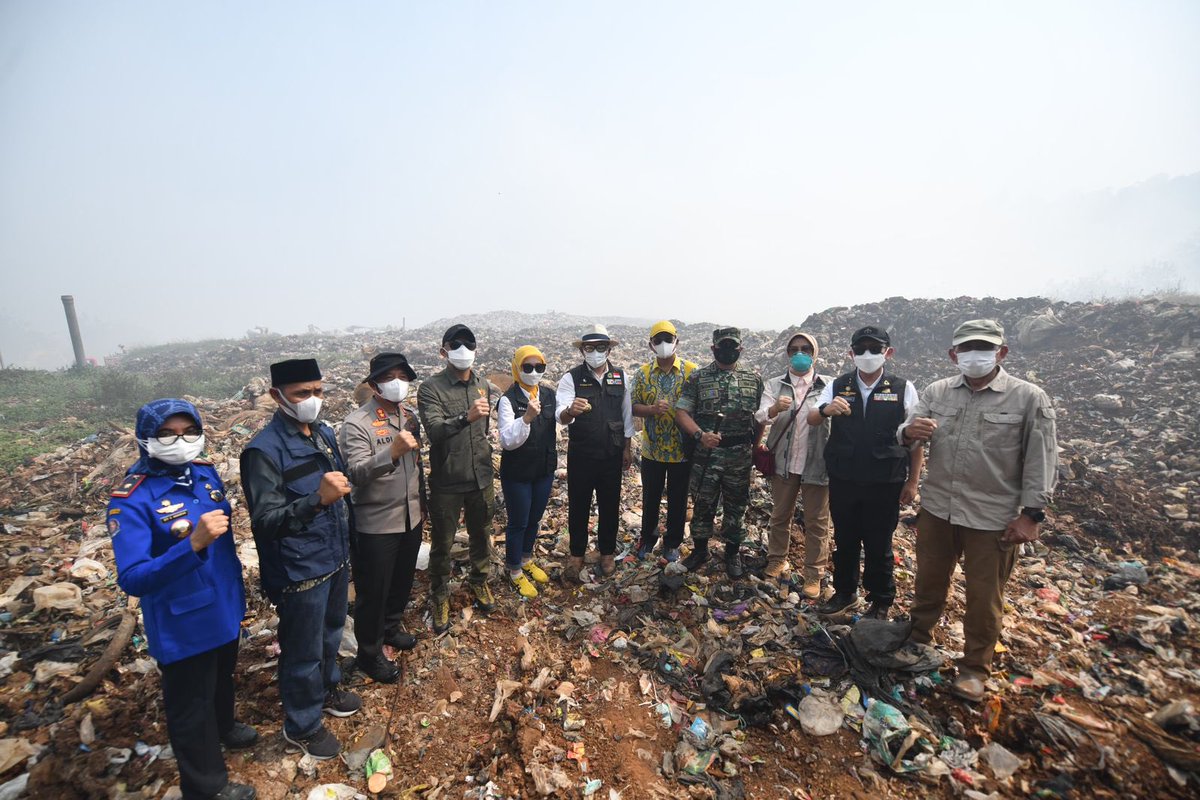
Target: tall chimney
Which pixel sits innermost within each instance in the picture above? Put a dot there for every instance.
(68, 302)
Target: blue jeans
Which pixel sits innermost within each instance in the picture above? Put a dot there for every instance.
(526, 502)
(310, 631)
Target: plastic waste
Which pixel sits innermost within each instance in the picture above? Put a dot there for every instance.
(1000, 759)
(335, 791)
(62, 596)
(819, 717)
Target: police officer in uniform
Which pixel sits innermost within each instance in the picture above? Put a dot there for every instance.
(723, 457)
(380, 441)
(295, 484)
(870, 474)
(169, 523)
(593, 401)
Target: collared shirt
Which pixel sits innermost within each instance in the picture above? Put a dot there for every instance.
(564, 395)
(661, 437)
(387, 494)
(460, 455)
(797, 456)
(910, 393)
(994, 451)
(514, 430)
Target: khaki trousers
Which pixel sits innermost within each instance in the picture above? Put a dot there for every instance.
(784, 492)
(987, 564)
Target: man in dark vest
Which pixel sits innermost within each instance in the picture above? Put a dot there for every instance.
(870, 474)
(716, 411)
(293, 476)
(593, 401)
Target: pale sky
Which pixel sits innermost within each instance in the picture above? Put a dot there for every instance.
(189, 170)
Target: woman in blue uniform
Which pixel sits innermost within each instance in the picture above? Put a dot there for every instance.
(169, 523)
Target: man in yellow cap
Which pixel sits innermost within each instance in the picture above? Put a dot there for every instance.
(665, 455)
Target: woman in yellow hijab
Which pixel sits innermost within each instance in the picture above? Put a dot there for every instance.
(528, 458)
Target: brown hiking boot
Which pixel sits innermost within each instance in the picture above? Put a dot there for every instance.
(775, 568)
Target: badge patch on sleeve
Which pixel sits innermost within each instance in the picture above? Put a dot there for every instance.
(114, 526)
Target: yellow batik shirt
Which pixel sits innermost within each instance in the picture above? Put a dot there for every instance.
(661, 438)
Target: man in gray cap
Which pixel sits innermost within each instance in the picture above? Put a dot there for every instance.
(593, 401)
(993, 460)
(716, 410)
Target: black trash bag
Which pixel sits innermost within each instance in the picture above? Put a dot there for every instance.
(712, 687)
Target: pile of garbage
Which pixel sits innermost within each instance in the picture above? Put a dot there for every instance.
(655, 682)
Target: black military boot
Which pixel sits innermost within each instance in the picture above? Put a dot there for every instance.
(698, 557)
(734, 567)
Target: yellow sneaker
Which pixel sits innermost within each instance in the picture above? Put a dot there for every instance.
(522, 585)
(535, 572)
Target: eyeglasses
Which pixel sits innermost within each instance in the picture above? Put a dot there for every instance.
(859, 349)
(662, 337)
(457, 343)
(595, 348)
(529, 369)
(791, 351)
(191, 436)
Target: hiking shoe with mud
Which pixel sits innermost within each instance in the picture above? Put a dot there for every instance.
(320, 744)
(483, 597)
(440, 612)
(837, 604)
(697, 558)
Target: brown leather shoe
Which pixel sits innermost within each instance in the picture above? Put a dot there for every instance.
(574, 567)
(812, 589)
(969, 687)
(608, 565)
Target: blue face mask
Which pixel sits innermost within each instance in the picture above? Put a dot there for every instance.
(801, 363)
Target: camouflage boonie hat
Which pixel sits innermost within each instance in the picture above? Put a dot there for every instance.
(721, 334)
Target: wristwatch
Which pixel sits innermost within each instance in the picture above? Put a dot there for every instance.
(1035, 514)
(821, 409)
(699, 433)
(464, 419)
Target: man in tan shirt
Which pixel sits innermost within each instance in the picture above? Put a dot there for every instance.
(381, 444)
(992, 469)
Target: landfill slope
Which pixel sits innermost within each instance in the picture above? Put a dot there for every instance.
(651, 684)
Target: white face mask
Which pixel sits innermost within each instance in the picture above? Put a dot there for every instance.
(394, 390)
(180, 452)
(595, 360)
(461, 357)
(977, 363)
(869, 362)
(304, 412)
(664, 349)
(529, 378)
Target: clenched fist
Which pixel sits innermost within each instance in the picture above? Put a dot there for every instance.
(781, 405)
(477, 410)
(838, 407)
(920, 429)
(213, 526)
(334, 486)
(404, 442)
(532, 410)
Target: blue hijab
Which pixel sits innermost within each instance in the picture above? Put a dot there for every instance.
(150, 418)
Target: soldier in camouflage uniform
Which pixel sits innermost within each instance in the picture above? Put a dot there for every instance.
(723, 458)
